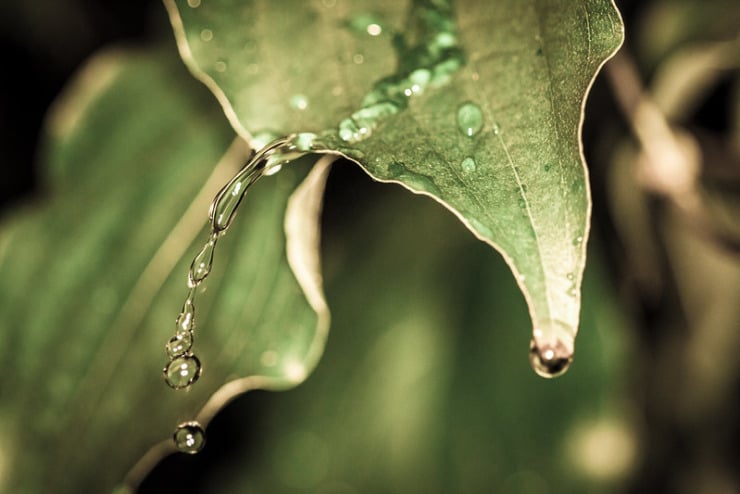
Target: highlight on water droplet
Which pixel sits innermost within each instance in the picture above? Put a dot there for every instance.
(578, 240)
(179, 344)
(182, 371)
(189, 437)
(551, 349)
(469, 119)
(185, 322)
(202, 263)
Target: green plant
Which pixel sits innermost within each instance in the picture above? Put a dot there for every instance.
(477, 106)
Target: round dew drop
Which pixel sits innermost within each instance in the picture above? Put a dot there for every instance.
(189, 437)
(469, 119)
(182, 371)
(468, 165)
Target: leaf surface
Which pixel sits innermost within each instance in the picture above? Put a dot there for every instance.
(94, 276)
(476, 104)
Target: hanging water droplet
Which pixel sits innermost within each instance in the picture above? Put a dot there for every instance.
(550, 360)
(202, 263)
(469, 119)
(468, 165)
(189, 437)
(182, 371)
(179, 344)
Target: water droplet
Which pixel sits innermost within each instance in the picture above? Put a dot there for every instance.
(299, 102)
(358, 58)
(193, 4)
(185, 322)
(522, 204)
(468, 165)
(550, 360)
(305, 141)
(206, 35)
(202, 263)
(220, 66)
(182, 371)
(189, 437)
(578, 240)
(179, 344)
(496, 129)
(570, 276)
(469, 119)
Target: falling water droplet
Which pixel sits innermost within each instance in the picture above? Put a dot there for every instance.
(179, 344)
(550, 360)
(224, 207)
(185, 322)
(182, 371)
(468, 165)
(469, 119)
(202, 263)
(189, 437)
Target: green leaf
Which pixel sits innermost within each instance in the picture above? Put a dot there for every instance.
(94, 275)
(432, 395)
(478, 106)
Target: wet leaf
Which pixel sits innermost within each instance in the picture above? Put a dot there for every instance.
(477, 105)
(431, 395)
(95, 273)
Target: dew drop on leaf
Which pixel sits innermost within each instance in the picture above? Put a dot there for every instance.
(469, 119)
(189, 437)
(182, 371)
(468, 165)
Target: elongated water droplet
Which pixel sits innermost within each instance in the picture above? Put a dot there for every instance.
(179, 344)
(189, 437)
(182, 371)
(203, 262)
(469, 119)
(227, 201)
(185, 322)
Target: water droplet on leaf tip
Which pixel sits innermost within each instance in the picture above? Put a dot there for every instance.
(179, 344)
(549, 360)
(182, 371)
(189, 437)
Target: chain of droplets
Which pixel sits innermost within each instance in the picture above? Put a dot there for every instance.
(184, 367)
